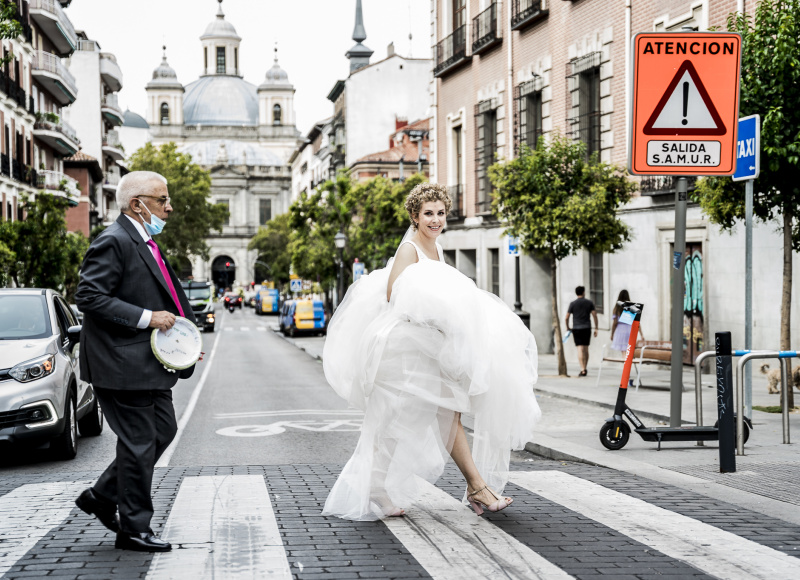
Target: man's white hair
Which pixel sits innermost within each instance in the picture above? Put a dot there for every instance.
(134, 184)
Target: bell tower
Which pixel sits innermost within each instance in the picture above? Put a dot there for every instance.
(276, 98)
(221, 47)
(164, 96)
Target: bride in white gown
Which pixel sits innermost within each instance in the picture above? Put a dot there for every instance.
(415, 345)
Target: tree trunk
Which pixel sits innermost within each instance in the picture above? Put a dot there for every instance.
(786, 296)
(562, 362)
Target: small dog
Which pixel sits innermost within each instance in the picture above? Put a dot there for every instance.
(774, 378)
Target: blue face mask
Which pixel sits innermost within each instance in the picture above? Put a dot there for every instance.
(156, 225)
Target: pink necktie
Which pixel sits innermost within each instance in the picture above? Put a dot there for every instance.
(163, 266)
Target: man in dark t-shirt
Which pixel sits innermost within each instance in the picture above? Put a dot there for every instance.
(580, 309)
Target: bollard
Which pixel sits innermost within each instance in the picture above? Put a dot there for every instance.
(727, 426)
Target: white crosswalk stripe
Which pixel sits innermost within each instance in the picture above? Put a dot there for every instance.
(245, 328)
(710, 549)
(29, 512)
(466, 547)
(226, 528)
(261, 329)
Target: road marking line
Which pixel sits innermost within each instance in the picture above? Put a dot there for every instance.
(345, 412)
(226, 528)
(450, 541)
(29, 512)
(261, 328)
(245, 328)
(187, 413)
(228, 328)
(710, 549)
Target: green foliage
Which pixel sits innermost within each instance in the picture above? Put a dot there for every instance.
(193, 217)
(45, 254)
(96, 231)
(7, 256)
(770, 87)
(9, 25)
(555, 201)
(272, 244)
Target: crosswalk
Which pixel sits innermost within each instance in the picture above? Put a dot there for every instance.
(244, 329)
(234, 526)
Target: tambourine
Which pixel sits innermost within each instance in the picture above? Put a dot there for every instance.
(179, 347)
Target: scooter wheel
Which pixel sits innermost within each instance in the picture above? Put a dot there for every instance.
(745, 433)
(613, 441)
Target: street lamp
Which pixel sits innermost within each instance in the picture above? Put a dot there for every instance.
(339, 240)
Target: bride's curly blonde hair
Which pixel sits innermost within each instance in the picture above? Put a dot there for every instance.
(426, 192)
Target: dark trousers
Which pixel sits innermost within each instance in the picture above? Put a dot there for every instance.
(145, 425)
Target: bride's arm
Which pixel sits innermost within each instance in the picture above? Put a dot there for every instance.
(406, 256)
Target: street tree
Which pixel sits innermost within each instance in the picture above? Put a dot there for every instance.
(272, 244)
(556, 200)
(770, 87)
(10, 26)
(193, 217)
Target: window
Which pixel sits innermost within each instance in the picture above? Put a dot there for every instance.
(596, 293)
(227, 204)
(494, 271)
(529, 113)
(459, 153)
(450, 257)
(485, 149)
(264, 211)
(164, 114)
(236, 60)
(276, 115)
(459, 13)
(584, 100)
(205, 59)
(220, 60)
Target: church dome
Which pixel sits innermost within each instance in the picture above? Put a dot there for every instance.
(235, 153)
(276, 77)
(134, 120)
(220, 28)
(220, 100)
(164, 75)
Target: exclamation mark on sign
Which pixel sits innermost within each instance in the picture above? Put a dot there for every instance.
(685, 102)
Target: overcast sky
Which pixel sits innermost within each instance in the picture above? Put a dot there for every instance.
(312, 37)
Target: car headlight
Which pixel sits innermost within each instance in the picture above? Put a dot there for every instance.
(34, 369)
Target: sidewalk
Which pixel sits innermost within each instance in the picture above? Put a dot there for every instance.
(574, 410)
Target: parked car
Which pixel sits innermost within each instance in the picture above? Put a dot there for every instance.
(303, 317)
(42, 397)
(250, 298)
(199, 295)
(267, 301)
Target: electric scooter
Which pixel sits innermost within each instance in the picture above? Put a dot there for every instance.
(614, 434)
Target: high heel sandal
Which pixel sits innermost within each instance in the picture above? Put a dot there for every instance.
(478, 505)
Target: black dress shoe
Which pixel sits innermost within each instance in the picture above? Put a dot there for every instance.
(141, 542)
(105, 511)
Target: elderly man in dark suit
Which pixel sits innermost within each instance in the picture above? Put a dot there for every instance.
(126, 290)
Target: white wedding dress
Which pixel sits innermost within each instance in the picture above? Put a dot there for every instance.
(441, 346)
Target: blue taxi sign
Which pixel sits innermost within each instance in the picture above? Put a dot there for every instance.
(748, 148)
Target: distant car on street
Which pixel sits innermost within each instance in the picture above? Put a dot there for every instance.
(267, 301)
(232, 299)
(42, 397)
(199, 295)
(303, 317)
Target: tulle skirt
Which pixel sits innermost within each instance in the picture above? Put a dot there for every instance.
(441, 347)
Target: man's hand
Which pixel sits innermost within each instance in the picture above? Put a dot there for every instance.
(595, 333)
(162, 320)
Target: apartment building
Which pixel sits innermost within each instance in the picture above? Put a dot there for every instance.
(311, 161)
(408, 153)
(508, 72)
(97, 117)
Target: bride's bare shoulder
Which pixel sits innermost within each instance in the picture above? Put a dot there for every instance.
(406, 253)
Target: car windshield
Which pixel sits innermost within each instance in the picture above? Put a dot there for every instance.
(202, 293)
(23, 317)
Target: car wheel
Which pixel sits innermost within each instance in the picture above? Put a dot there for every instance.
(65, 446)
(91, 425)
(292, 331)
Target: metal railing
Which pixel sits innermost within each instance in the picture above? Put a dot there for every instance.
(61, 127)
(524, 10)
(51, 63)
(484, 28)
(451, 50)
(54, 8)
(663, 184)
(57, 181)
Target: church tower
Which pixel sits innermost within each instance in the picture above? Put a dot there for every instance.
(276, 98)
(164, 96)
(221, 47)
(359, 54)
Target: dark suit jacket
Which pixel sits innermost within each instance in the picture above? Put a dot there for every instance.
(119, 280)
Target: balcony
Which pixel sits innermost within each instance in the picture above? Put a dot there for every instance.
(458, 209)
(54, 23)
(54, 77)
(524, 13)
(485, 33)
(111, 110)
(57, 134)
(112, 146)
(59, 184)
(110, 71)
(663, 184)
(451, 52)
(111, 179)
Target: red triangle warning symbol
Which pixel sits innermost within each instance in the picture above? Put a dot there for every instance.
(685, 108)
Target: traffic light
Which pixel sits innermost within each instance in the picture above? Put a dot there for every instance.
(227, 264)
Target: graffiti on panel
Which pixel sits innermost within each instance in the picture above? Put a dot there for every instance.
(693, 306)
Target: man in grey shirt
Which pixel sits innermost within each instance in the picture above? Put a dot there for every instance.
(580, 309)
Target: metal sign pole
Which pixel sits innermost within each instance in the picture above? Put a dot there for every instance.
(676, 334)
(748, 296)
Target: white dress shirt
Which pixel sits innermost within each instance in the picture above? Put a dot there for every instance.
(147, 315)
